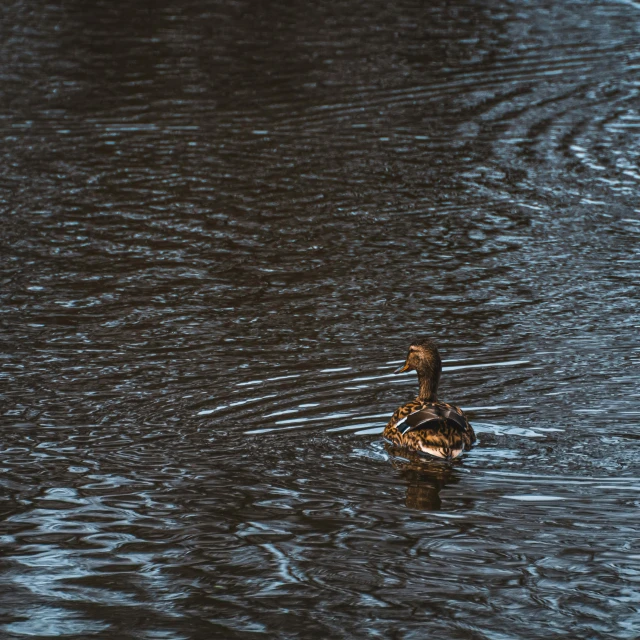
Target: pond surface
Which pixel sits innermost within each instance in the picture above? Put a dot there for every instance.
(222, 225)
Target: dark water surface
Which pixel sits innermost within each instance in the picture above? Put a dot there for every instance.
(222, 223)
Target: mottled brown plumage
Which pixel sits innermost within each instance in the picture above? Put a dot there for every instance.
(425, 424)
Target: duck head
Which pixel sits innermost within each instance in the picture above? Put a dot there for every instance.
(424, 358)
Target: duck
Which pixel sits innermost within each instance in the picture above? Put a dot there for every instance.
(427, 425)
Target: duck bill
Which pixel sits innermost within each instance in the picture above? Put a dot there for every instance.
(403, 368)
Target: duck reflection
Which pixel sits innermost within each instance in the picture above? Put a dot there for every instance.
(425, 478)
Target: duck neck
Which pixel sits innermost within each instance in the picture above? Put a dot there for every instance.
(428, 381)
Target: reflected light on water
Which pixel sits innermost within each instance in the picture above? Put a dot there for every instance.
(223, 224)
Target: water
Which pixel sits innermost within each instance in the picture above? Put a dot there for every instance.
(222, 225)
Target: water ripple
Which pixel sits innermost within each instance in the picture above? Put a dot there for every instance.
(221, 228)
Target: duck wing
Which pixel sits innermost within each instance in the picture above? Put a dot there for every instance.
(432, 416)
